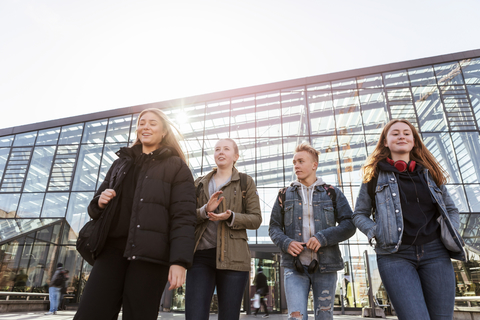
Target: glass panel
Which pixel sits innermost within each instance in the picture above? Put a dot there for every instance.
(423, 76)
(466, 147)
(289, 145)
(217, 123)
(86, 172)
(190, 121)
(269, 163)
(344, 84)
(242, 120)
(95, 131)
(448, 73)
(374, 110)
(77, 214)
(133, 133)
(246, 162)
(320, 87)
(4, 152)
(119, 129)
(62, 169)
(429, 109)
(328, 162)
(10, 228)
(208, 156)
(107, 159)
(39, 169)
(353, 154)
(16, 169)
(47, 137)
(25, 139)
(71, 134)
(401, 105)
(457, 108)
(6, 141)
(8, 204)
(294, 112)
(55, 204)
(194, 148)
(322, 119)
(268, 115)
(370, 81)
(30, 205)
(396, 79)
(347, 112)
(474, 95)
(473, 195)
(471, 70)
(267, 196)
(458, 196)
(441, 147)
(372, 141)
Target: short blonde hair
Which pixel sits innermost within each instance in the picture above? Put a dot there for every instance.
(305, 146)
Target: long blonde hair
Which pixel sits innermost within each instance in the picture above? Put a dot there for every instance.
(419, 153)
(170, 140)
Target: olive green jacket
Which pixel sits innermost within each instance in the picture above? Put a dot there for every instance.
(232, 246)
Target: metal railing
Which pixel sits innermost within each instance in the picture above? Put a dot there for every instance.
(27, 295)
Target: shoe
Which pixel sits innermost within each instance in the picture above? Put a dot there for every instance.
(266, 316)
(49, 313)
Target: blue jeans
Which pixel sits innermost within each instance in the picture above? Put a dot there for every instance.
(54, 297)
(297, 287)
(420, 281)
(202, 278)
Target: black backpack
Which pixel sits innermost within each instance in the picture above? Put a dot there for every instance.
(243, 187)
(372, 185)
(328, 188)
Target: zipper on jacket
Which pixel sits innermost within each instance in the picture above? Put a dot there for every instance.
(234, 195)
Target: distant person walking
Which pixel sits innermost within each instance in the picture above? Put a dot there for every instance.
(56, 284)
(262, 289)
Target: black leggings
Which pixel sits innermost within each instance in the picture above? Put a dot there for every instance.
(114, 281)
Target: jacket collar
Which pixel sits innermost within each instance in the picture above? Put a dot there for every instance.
(206, 179)
(136, 150)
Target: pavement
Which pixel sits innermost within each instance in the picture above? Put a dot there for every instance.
(68, 315)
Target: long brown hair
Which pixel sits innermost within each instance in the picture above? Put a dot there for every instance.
(419, 154)
(170, 140)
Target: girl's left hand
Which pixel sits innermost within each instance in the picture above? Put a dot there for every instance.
(176, 276)
(219, 216)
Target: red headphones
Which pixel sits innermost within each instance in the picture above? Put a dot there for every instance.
(402, 166)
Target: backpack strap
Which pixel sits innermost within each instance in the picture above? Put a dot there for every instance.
(198, 189)
(243, 187)
(332, 194)
(281, 198)
(372, 185)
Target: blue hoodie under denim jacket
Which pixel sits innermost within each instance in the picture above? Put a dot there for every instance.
(388, 225)
(330, 227)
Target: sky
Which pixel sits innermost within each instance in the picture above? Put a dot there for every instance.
(63, 58)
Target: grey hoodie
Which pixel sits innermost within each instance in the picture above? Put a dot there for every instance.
(306, 193)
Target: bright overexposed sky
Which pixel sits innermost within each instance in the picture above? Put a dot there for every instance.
(61, 58)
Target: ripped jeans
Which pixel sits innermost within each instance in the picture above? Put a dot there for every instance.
(297, 287)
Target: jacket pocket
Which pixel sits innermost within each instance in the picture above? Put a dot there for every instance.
(447, 238)
(385, 218)
(288, 217)
(238, 246)
(329, 216)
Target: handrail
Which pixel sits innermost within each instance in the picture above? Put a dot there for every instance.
(27, 294)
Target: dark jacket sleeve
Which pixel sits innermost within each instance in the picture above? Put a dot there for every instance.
(183, 216)
(94, 211)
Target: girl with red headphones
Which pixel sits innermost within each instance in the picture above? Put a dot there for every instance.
(413, 222)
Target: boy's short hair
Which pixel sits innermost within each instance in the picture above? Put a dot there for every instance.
(305, 146)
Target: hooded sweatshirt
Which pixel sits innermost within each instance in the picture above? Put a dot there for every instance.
(306, 193)
(418, 205)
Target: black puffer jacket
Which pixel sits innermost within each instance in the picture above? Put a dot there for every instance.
(162, 223)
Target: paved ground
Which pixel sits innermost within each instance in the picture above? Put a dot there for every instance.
(68, 315)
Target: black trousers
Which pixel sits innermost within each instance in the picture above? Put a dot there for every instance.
(116, 281)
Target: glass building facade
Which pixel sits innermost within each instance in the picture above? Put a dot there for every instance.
(49, 171)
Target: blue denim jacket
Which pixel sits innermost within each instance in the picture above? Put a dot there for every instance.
(330, 227)
(388, 225)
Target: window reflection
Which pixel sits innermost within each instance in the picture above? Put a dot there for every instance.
(218, 120)
(77, 214)
(95, 131)
(466, 146)
(16, 169)
(448, 73)
(118, 129)
(86, 172)
(6, 141)
(62, 169)
(55, 204)
(8, 204)
(429, 108)
(39, 169)
(71, 134)
(47, 137)
(322, 119)
(30, 205)
(268, 115)
(294, 112)
(108, 157)
(396, 79)
(242, 120)
(25, 139)
(471, 70)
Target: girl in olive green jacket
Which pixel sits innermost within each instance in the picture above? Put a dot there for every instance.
(222, 257)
